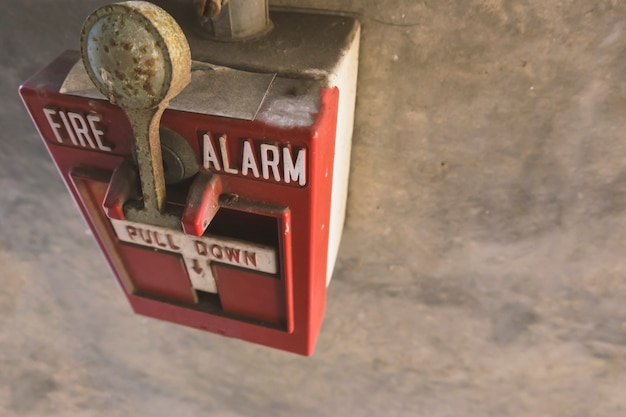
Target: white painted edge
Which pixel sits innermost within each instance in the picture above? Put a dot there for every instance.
(345, 78)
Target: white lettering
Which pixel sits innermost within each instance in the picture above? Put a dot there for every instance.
(295, 172)
(267, 162)
(67, 128)
(254, 159)
(97, 133)
(81, 129)
(209, 154)
(53, 125)
(249, 161)
(225, 160)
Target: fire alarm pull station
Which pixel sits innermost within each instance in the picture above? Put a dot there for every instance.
(210, 163)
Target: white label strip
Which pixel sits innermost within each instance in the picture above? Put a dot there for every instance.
(198, 252)
(200, 274)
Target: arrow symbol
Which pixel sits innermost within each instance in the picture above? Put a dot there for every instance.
(196, 267)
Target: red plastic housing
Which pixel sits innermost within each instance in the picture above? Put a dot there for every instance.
(89, 139)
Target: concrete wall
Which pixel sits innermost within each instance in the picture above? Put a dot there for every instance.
(481, 271)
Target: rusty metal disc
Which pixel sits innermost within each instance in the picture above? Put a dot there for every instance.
(136, 54)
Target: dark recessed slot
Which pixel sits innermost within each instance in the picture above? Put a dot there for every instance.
(208, 302)
(245, 226)
(177, 193)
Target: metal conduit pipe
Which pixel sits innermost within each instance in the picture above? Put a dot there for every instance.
(233, 20)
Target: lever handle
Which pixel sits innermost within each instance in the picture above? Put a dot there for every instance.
(138, 57)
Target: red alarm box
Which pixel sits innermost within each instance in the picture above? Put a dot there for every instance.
(256, 166)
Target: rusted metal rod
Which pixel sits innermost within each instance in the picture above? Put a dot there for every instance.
(138, 57)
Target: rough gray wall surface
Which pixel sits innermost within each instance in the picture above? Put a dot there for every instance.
(482, 270)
